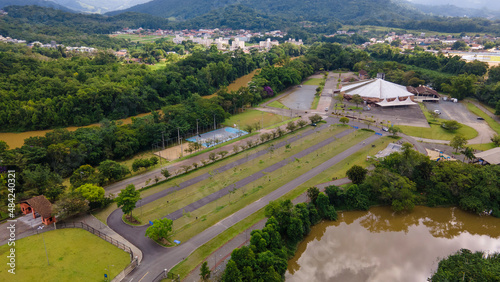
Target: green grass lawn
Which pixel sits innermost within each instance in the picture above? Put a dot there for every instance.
(158, 66)
(200, 254)
(188, 195)
(283, 123)
(315, 102)
(74, 255)
(482, 147)
(140, 38)
(197, 221)
(436, 132)
(251, 117)
(491, 122)
(313, 81)
(278, 104)
(103, 214)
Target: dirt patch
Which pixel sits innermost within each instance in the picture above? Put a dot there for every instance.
(176, 152)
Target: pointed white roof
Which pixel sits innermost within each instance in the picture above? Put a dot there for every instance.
(377, 88)
(396, 102)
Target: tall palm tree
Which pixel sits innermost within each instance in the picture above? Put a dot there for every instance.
(468, 153)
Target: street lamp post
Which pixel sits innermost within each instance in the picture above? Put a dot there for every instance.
(43, 238)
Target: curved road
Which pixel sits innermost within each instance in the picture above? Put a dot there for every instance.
(157, 258)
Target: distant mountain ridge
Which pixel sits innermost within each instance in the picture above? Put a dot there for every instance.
(454, 11)
(98, 6)
(41, 3)
(296, 10)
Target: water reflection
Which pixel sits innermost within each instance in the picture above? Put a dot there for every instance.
(380, 245)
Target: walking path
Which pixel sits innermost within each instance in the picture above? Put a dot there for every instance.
(249, 179)
(140, 180)
(157, 259)
(216, 261)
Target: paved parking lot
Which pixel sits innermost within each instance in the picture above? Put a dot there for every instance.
(460, 113)
(410, 115)
(453, 111)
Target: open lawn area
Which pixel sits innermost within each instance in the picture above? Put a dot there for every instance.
(436, 132)
(491, 122)
(277, 104)
(313, 81)
(188, 195)
(195, 222)
(482, 147)
(74, 255)
(140, 38)
(251, 117)
(359, 158)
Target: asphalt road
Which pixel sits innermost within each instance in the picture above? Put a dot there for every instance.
(247, 180)
(135, 234)
(157, 258)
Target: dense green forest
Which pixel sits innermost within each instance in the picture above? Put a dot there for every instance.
(41, 93)
(465, 265)
(318, 13)
(92, 151)
(401, 180)
(32, 23)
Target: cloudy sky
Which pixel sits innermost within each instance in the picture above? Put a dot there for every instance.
(491, 4)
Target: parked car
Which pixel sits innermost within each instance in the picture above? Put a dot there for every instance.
(480, 118)
(385, 128)
(437, 112)
(326, 109)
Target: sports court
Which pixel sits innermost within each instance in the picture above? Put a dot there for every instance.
(217, 136)
(208, 139)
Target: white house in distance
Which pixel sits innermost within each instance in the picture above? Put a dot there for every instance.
(380, 92)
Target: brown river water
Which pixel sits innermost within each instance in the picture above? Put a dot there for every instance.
(379, 245)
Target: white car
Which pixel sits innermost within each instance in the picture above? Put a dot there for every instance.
(326, 109)
(437, 112)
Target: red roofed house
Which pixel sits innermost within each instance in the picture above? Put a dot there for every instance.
(424, 93)
(40, 205)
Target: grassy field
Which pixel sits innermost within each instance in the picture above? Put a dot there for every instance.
(491, 122)
(482, 147)
(202, 253)
(140, 38)
(278, 104)
(251, 117)
(283, 123)
(103, 214)
(315, 102)
(86, 260)
(188, 195)
(158, 66)
(436, 132)
(313, 81)
(197, 221)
